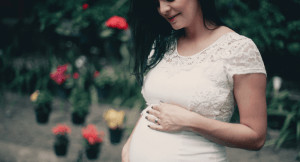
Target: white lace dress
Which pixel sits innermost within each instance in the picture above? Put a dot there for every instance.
(201, 83)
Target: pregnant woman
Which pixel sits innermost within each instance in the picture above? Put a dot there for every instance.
(193, 71)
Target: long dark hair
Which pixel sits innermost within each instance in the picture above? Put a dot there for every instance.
(151, 32)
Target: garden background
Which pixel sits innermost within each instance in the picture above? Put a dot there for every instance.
(80, 62)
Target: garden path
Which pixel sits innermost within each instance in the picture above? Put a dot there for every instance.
(23, 140)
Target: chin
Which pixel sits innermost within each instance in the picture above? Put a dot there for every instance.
(177, 27)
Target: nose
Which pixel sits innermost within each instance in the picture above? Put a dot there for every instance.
(163, 7)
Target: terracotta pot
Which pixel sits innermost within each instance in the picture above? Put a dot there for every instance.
(93, 151)
(115, 135)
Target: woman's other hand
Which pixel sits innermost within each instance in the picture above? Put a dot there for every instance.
(168, 117)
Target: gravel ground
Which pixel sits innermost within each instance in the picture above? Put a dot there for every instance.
(22, 139)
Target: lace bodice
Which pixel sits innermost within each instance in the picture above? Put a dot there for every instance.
(203, 82)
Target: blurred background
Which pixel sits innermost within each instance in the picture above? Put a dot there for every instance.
(68, 62)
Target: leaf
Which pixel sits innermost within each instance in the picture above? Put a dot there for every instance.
(281, 139)
(287, 122)
(270, 142)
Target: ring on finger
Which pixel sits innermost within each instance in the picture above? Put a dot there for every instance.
(156, 120)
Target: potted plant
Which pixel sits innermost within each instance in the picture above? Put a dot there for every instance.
(61, 143)
(60, 75)
(80, 102)
(42, 105)
(92, 141)
(115, 34)
(115, 122)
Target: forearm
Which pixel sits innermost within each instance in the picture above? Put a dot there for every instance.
(228, 134)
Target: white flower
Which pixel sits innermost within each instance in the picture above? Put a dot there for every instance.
(80, 61)
(277, 83)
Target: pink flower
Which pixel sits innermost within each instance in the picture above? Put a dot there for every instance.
(59, 75)
(59, 78)
(62, 68)
(117, 22)
(85, 6)
(96, 74)
(91, 134)
(76, 75)
(61, 129)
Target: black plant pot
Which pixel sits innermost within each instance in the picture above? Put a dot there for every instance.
(60, 149)
(42, 113)
(115, 135)
(42, 117)
(93, 151)
(78, 119)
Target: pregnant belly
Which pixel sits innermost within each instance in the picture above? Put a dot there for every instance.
(149, 145)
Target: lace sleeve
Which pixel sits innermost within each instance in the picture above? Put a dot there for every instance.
(243, 58)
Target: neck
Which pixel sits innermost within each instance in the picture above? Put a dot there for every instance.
(197, 30)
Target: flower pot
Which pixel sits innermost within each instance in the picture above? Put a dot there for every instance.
(60, 149)
(92, 151)
(115, 135)
(42, 112)
(78, 119)
(42, 117)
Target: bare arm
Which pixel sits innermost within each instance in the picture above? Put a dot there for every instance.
(249, 92)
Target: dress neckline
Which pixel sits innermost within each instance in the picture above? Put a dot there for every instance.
(201, 51)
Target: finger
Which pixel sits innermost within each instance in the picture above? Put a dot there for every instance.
(156, 107)
(155, 127)
(153, 112)
(152, 119)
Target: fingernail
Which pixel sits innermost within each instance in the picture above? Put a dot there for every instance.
(147, 112)
(146, 117)
(149, 126)
(151, 107)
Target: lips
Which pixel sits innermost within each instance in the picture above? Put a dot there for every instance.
(171, 19)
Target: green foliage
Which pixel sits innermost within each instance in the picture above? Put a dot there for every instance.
(69, 18)
(42, 101)
(119, 87)
(283, 114)
(44, 97)
(80, 101)
(274, 26)
(271, 24)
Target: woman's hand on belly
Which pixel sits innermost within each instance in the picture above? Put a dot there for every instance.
(168, 117)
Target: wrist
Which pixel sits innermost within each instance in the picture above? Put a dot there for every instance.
(187, 122)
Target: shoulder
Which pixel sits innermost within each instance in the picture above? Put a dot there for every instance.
(232, 36)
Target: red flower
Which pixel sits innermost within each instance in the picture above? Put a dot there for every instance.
(59, 75)
(59, 78)
(62, 68)
(91, 134)
(76, 75)
(117, 22)
(96, 74)
(61, 129)
(85, 6)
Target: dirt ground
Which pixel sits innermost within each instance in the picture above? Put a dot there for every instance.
(22, 139)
